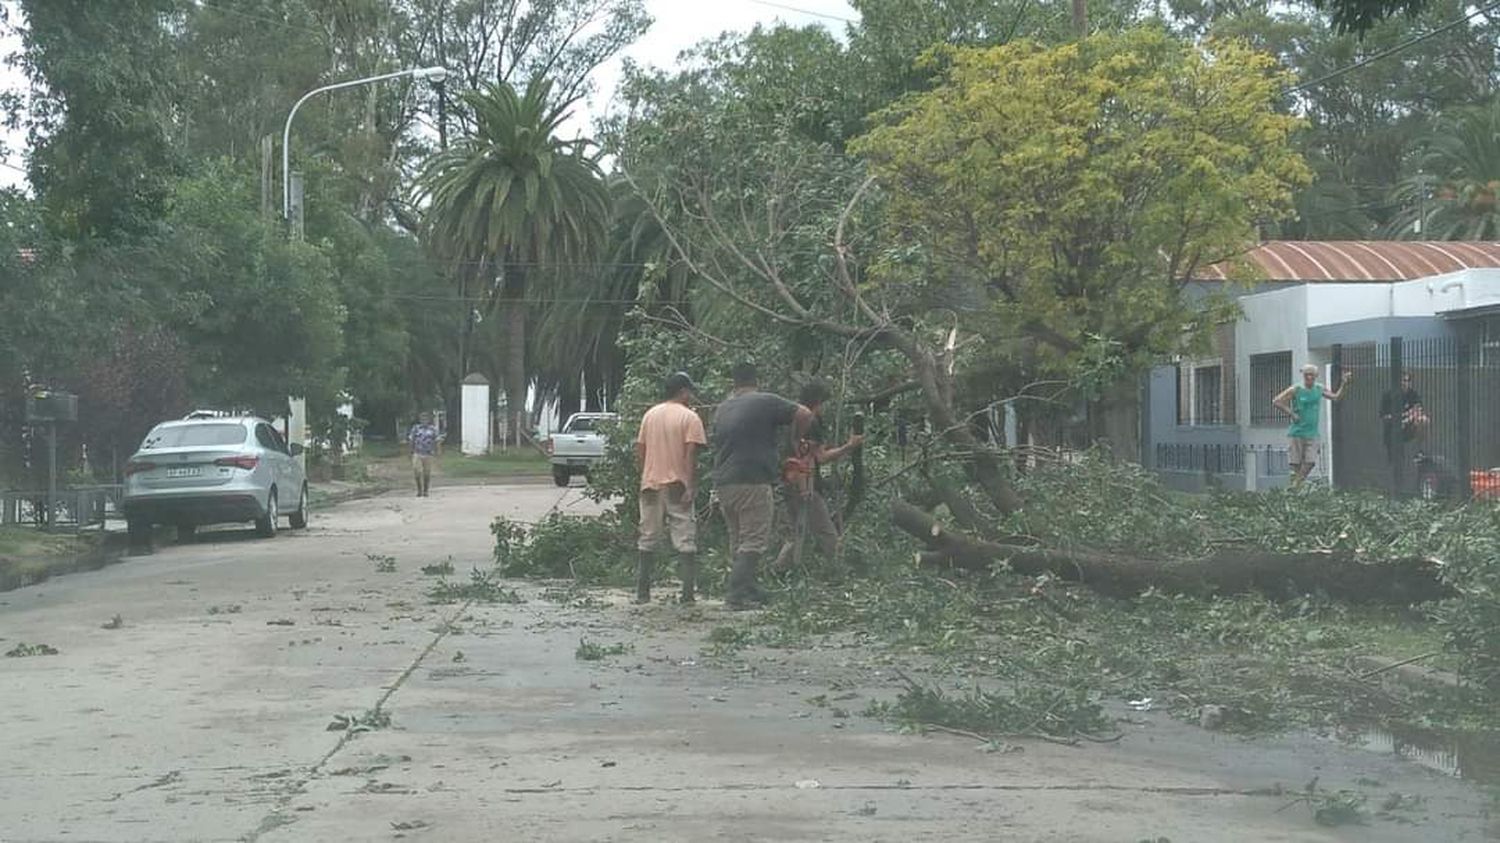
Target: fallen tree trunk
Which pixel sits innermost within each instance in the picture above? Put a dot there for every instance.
(1341, 577)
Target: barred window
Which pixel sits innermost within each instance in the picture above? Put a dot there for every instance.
(1208, 395)
(1269, 375)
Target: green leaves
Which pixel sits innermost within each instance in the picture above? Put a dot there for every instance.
(1071, 191)
(513, 190)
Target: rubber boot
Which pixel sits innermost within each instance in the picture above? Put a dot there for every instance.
(645, 567)
(742, 592)
(687, 569)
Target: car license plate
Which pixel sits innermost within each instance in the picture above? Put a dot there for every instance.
(184, 472)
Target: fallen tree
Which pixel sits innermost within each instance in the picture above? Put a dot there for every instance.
(1340, 576)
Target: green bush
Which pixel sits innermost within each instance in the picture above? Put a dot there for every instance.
(588, 550)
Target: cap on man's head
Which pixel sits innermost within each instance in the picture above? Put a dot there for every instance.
(744, 374)
(677, 382)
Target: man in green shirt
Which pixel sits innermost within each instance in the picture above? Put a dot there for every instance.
(1304, 403)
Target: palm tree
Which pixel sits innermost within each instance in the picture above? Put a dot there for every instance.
(511, 196)
(1456, 188)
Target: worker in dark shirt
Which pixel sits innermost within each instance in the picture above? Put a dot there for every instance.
(746, 460)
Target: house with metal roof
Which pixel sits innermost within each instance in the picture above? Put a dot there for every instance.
(1372, 307)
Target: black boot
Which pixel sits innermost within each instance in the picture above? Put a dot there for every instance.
(687, 569)
(645, 566)
(742, 592)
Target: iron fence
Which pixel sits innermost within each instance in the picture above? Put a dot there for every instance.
(1420, 418)
(71, 509)
(1220, 458)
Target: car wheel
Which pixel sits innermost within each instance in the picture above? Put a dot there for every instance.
(298, 519)
(265, 527)
(561, 476)
(186, 532)
(139, 534)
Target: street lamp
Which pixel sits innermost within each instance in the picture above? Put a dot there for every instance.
(436, 74)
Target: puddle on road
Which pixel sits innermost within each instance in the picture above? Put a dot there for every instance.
(1473, 756)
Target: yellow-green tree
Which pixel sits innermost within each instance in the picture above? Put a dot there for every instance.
(1070, 192)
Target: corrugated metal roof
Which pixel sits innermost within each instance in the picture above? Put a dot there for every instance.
(1309, 261)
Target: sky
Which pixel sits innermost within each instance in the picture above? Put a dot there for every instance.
(679, 24)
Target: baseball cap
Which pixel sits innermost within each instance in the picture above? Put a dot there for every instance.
(678, 381)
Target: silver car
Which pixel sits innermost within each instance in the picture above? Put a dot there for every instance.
(213, 470)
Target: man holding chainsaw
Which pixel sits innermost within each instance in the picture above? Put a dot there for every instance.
(802, 482)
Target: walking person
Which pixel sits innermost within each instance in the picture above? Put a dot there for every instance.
(1304, 403)
(426, 444)
(802, 483)
(666, 451)
(745, 469)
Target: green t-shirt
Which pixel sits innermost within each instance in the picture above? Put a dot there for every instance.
(1307, 403)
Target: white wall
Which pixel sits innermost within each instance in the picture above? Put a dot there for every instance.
(476, 418)
(1441, 293)
(1330, 304)
(1275, 321)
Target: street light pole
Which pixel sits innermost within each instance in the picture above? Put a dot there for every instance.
(436, 74)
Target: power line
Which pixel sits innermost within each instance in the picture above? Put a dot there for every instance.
(803, 11)
(247, 16)
(1401, 47)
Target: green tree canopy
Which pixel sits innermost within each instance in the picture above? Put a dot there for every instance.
(1073, 191)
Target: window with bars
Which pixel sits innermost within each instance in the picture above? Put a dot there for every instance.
(1269, 375)
(1208, 395)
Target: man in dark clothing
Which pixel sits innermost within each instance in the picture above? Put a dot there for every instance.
(802, 482)
(746, 460)
(1402, 414)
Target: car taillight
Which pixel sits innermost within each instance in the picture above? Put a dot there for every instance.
(244, 461)
(138, 466)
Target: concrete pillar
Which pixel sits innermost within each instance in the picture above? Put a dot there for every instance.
(475, 397)
(296, 426)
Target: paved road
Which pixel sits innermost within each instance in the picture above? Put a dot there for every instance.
(204, 717)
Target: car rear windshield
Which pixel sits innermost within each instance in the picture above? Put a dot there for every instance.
(194, 435)
(586, 424)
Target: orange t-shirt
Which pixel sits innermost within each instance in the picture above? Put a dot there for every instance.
(666, 430)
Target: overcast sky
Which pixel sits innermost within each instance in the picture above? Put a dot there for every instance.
(679, 25)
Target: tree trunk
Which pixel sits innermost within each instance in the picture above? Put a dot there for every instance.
(937, 392)
(569, 398)
(1081, 18)
(515, 357)
(1230, 572)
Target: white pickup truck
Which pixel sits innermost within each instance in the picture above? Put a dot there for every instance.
(577, 446)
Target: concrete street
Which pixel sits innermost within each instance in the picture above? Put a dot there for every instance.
(205, 717)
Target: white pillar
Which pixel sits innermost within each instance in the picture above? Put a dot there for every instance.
(296, 426)
(475, 393)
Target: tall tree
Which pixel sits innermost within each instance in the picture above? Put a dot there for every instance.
(512, 197)
(100, 116)
(1453, 181)
(1038, 212)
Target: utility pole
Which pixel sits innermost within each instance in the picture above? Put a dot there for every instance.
(1081, 18)
(1421, 204)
